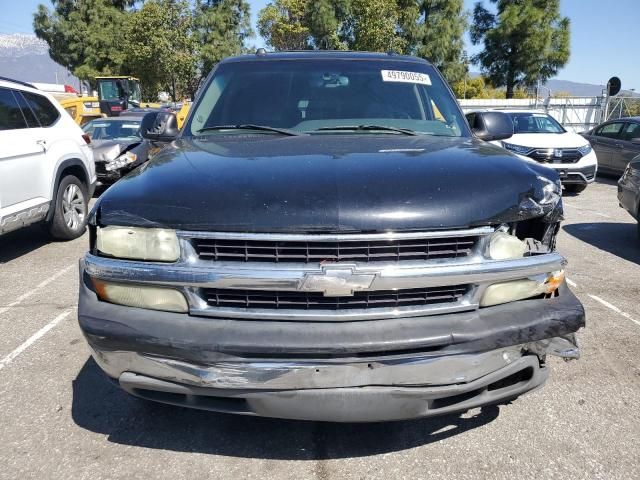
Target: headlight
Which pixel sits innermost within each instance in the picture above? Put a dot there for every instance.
(505, 292)
(516, 148)
(124, 159)
(154, 298)
(585, 150)
(503, 246)
(159, 244)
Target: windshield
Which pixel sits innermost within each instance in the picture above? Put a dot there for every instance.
(113, 129)
(313, 96)
(112, 89)
(535, 123)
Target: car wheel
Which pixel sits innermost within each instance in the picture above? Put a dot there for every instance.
(70, 216)
(575, 188)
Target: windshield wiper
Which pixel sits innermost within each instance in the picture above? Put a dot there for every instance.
(404, 131)
(249, 126)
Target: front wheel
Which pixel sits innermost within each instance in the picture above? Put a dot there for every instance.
(575, 188)
(70, 216)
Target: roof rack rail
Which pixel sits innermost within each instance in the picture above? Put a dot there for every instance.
(7, 79)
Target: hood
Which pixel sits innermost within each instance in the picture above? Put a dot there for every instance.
(324, 183)
(548, 140)
(107, 150)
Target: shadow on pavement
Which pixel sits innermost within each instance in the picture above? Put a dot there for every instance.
(100, 189)
(21, 242)
(101, 407)
(620, 239)
(607, 179)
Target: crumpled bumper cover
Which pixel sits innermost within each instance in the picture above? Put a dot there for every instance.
(203, 340)
(353, 371)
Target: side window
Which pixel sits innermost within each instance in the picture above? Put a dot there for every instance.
(46, 113)
(11, 117)
(32, 121)
(631, 131)
(610, 130)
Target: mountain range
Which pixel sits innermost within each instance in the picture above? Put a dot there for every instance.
(26, 58)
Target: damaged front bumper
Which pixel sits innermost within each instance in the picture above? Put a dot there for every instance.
(362, 371)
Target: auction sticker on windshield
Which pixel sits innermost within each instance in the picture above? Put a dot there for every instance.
(406, 77)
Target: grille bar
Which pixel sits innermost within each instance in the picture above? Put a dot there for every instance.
(315, 252)
(568, 155)
(280, 300)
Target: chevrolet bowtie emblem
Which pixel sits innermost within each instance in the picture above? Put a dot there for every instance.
(336, 281)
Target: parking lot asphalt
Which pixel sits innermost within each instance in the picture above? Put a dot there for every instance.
(61, 418)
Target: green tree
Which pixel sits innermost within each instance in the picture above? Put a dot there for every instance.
(162, 48)
(478, 87)
(223, 27)
(431, 29)
(434, 30)
(373, 26)
(471, 88)
(283, 25)
(525, 41)
(83, 35)
(326, 19)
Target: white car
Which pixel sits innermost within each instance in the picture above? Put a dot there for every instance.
(539, 137)
(47, 172)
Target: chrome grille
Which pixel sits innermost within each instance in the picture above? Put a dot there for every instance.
(366, 251)
(296, 300)
(548, 155)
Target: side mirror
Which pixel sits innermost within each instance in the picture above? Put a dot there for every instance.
(159, 127)
(489, 126)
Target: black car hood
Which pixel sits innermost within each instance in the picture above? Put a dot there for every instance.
(328, 183)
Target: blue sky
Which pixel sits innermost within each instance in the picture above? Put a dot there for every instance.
(604, 41)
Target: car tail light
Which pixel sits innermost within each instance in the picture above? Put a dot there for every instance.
(87, 138)
(116, 108)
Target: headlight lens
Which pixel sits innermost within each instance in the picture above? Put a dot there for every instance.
(585, 149)
(514, 290)
(503, 246)
(124, 159)
(158, 244)
(516, 148)
(154, 298)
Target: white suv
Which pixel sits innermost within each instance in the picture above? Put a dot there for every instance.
(539, 137)
(47, 172)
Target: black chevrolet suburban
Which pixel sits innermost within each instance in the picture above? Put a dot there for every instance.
(328, 239)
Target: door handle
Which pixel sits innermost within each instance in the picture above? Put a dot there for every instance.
(43, 144)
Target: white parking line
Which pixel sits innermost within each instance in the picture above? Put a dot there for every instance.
(34, 338)
(571, 283)
(614, 308)
(587, 210)
(41, 285)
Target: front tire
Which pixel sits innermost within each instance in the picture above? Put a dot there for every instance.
(70, 215)
(575, 188)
